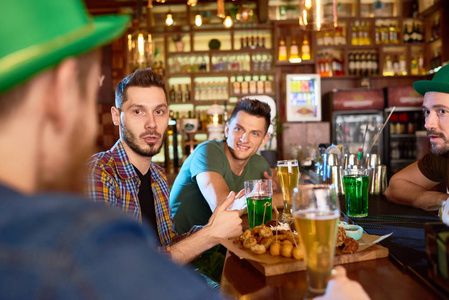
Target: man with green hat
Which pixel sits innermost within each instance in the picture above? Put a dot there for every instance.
(413, 185)
(56, 245)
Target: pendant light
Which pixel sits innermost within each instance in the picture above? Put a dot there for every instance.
(140, 44)
(228, 22)
(198, 20)
(169, 18)
(316, 15)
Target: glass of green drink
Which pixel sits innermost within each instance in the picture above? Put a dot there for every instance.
(258, 200)
(356, 185)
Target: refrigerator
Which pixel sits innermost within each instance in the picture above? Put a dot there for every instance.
(303, 99)
(406, 139)
(356, 117)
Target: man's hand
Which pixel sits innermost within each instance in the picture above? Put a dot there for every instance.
(226, 223)
(341, 287)
(274, 181)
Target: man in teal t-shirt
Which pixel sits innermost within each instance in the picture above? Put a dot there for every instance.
(217, 167)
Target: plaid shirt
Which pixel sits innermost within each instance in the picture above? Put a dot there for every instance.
(113, 180)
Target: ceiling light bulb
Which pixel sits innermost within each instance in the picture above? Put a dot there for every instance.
(198, 20)
(169, 19)
(228, 22)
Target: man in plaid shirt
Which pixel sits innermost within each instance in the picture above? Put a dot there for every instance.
(125, 176)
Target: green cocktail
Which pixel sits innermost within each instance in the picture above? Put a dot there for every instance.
(356, 184)
(259, 210)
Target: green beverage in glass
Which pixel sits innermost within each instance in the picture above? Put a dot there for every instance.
(356, 185)
(258, 200)
(259, 210)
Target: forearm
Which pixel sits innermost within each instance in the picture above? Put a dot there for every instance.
(189, 248)
(278, 200)
(406, 193)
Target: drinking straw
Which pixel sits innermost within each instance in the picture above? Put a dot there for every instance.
(380, 130)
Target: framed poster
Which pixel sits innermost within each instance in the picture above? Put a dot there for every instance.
(303, 99)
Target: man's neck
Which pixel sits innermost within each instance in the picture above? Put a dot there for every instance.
(142, 163)
(237, 165)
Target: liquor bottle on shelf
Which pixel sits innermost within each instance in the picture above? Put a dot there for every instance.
(242, 43)
(351, 64)
(294, 51)
(388, 68)
(172, 94)
(413, 34)
(253, 85)
(253, 45)
(187, 93)
(282, 55)
(263, 43)
(260, 85)
(396, 66)
(179, 94)
(375, 64)
(355, 33)
(305, 48)
(421, 69)
(257, 42)
(357, 66)
(247, 43)
(236, 87)
(414, 69)
(268, 86)
(384, 34)
(244, 87)
(363, 64)
(393, 38)
(320, 38)
(377, 37)
(402, 65)
(406, 34)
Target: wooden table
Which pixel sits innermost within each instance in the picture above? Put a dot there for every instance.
(383, 278)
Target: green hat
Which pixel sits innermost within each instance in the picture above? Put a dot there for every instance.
(439, 82)
(39, 34)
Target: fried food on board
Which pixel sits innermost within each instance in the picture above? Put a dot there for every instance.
(350, 246)
(341, 236)
(261, 239)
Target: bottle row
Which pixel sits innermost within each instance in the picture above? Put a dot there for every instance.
(396, 65)
(188, 63)
(363, 63)
(211, 90)
(331, 37)
(294, 54)
(257, 84)
(252, 42)
(231, 62)
(406, 123)
(179, 95)
(329, 65)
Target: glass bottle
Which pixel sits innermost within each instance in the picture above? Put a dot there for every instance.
(282, 55)
(305, 48)
(294, 52)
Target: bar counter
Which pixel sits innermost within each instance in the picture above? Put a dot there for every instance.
(403, 275)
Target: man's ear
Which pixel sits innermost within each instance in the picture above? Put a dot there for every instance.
(60, 105)
(226, 131)
(115, 112)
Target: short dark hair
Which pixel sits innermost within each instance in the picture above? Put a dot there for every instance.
(140, 78)
(255, 108)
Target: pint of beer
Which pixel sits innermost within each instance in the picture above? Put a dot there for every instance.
(316, 214)
(288, 174)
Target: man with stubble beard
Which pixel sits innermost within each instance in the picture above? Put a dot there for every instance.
(412, 185)
(126, 177)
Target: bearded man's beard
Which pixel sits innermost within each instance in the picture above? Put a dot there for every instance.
(436, 148)
(130, 139)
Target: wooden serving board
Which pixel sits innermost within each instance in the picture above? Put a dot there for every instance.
(274, 265)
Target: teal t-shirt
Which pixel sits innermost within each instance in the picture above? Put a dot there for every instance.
(188, 205)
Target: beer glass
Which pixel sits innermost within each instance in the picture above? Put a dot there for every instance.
(288, 174)
(316, 214)
(258, 201)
